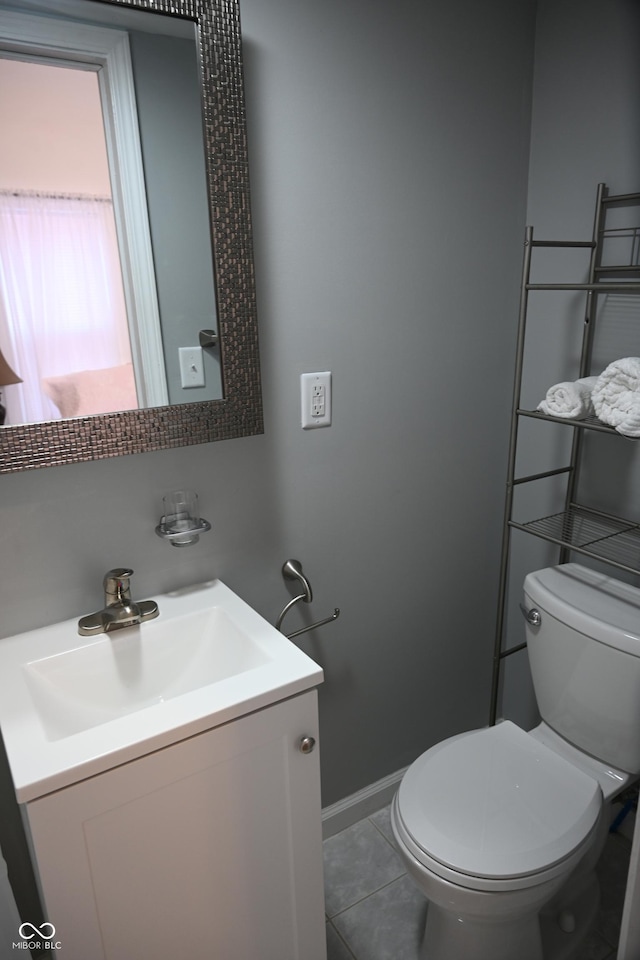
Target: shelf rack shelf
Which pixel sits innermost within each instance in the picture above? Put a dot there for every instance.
(578, 528)
(589, 423)
(592, 533)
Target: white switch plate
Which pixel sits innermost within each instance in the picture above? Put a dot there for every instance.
(315, 399)
(191, 367)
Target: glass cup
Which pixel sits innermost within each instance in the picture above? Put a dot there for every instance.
(181, 513)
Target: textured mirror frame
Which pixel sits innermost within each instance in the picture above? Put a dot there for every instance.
(239, 414)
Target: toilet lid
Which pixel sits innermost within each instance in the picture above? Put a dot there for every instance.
(496, 803)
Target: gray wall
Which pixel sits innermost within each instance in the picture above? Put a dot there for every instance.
(388, 158)
(389, 148)
(585, 130)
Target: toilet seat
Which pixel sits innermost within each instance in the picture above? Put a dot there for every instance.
(496, 809)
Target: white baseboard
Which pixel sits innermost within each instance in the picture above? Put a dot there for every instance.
(346, 812)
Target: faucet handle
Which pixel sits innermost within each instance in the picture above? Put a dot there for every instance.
(117, 586)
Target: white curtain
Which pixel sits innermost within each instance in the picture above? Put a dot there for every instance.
(62, 307)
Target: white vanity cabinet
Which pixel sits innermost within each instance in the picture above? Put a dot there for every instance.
(208, 848)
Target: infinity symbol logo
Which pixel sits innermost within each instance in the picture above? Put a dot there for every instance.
(38, 931)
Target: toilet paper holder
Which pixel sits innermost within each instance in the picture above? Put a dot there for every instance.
(292, 570)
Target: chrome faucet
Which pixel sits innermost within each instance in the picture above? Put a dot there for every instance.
(119, 609)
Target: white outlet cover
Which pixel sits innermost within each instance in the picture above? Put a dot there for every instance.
(310, 383)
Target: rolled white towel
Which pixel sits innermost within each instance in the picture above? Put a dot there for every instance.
(616, 396)
(570, 399)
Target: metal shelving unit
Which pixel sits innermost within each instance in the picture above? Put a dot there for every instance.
(578, 528)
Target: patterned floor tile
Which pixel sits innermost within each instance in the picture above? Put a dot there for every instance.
(388, 925)
(378, 913)
(357, 862)
(382, 820)
(336, 947)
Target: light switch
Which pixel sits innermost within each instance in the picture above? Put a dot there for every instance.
(191, 367)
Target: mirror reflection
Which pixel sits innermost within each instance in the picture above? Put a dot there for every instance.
(104, 228)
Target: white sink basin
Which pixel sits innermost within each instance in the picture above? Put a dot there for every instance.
(137, 667)
(71, 707)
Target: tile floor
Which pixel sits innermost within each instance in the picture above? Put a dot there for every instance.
(374, 911)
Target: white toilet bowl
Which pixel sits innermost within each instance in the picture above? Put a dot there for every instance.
(501, 829)
(506, 822)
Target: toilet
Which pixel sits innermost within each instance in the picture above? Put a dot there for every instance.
(501, 828)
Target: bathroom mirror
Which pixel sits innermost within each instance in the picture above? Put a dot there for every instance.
(215, 26)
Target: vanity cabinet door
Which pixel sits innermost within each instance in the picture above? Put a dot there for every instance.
(210, 848)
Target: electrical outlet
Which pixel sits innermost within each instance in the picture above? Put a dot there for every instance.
(191, 367)
(315, 398)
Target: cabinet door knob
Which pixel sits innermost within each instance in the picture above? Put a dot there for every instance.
(307, 744)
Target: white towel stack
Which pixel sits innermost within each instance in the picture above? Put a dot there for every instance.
(613, 397)
(570, 399)
(616, 396)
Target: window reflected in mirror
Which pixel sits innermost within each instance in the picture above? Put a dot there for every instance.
(63, 320)
(98, 296)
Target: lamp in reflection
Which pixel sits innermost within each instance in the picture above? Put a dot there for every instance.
(7, 376)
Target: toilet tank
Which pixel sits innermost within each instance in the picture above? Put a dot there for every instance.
(585, 660)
